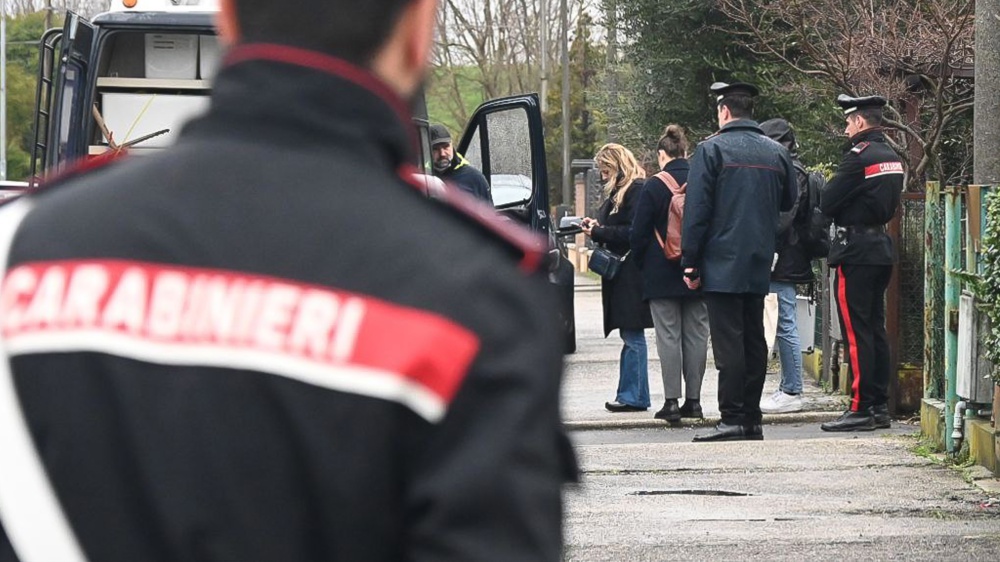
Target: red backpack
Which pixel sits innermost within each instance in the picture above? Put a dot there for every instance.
(675, 218)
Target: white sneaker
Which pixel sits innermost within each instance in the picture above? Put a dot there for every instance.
(781, 403)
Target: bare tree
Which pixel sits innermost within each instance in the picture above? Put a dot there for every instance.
(496, 44)
(918, 53)
(85, 8)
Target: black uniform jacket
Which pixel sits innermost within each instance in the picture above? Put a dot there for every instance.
(662, 278)
(740, 181)
(263, 344)
(861, 198)
(624, 307)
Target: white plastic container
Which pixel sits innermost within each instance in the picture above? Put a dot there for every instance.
(171, 56)
(123, 112)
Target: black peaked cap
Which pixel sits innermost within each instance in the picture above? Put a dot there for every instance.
(722, 89)
(850, 105)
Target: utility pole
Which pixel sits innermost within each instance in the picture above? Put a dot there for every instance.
(612, 71)
(566, 121)
(986, 117)
(986, 120)
(543, 32)
(48, 14)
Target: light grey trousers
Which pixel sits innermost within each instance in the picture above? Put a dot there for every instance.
(682, 344)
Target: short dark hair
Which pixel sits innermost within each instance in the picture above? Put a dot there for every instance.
(673, 142)
(740, 105)
(872, 115)
(354, 31)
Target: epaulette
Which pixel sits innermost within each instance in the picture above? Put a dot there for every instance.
(860, 147)
(79, 169)
(531, 247)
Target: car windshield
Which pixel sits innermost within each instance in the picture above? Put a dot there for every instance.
(510, 189)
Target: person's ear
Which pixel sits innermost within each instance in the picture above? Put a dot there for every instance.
(420, 23)
(227, 24)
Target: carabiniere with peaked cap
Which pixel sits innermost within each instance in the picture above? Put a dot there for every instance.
(850, 105)
(722, 89)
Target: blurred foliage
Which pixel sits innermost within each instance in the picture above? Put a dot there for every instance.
(673, 50)
(23, 34)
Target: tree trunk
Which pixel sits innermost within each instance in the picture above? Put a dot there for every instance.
(986, 127)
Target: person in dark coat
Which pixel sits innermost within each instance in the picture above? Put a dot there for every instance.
(861, 198)
(217, 353)
(624, 308)
(680, 315)
(793, 267)
(740, 181)
(453, 168)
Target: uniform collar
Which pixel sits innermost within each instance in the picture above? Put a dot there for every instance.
(875, 134)
(306, 99)
(741, 125)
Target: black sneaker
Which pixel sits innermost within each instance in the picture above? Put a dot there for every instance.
(669, 412)
(881, 415)
(852, 421)
(692, 409)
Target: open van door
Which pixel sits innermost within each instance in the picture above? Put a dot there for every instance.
(65, 114)
(505, 141)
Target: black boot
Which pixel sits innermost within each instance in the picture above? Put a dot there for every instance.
(669, 412)
(722, 432)
(881, 415)
(852, 421)
(692, 409)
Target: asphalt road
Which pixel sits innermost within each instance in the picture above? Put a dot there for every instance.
(800, 495)
(649, 494)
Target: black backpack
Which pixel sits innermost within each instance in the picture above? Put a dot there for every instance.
(812, 227)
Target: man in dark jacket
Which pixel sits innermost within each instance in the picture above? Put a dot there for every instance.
(233, 351)
(793, 267)
(740, 181)
(861, 198)
(452, 167)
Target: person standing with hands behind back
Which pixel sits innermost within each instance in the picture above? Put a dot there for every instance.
(861, 198)
(624, 308)
(680, 315)
(740, 181)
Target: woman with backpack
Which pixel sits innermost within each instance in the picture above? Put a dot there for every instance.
(621, 295)
(680, 315)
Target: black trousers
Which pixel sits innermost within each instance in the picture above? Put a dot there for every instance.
(860, 294)
(736, 322)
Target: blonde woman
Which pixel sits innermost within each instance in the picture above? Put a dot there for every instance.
(622, 298)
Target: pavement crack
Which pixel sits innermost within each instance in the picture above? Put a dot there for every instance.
(725, 493)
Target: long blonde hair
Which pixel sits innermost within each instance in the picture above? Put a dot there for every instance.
(624, 170)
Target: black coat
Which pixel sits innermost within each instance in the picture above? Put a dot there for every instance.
(624, 307)
(662, 278)
(740, 181)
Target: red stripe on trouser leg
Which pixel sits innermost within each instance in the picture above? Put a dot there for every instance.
(852, 340)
